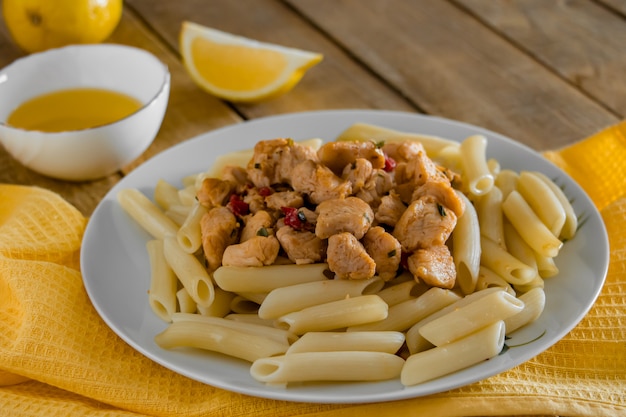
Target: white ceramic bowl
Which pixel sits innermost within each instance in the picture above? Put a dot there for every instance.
(89, 153)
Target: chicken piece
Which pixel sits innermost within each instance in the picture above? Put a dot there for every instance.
(214, 192)
(357, 173)
(434, 266)
(259, 224)
(257, 251)
(336, 155)
(402, 151)
(347, 257)
(219, 229)
(423, 224)
(280, 199)
(236, 175)
(385, 250)
(443, 193)
(274, 160)
(343, 215)
(378, 185)
(421, 169)
(390, 209)
(318, 182)
(302, 247)
(255, 201)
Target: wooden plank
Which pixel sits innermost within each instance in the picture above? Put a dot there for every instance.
(580, 40)
(617, 5)
(451, 65)
(337, 82)
(190, 112)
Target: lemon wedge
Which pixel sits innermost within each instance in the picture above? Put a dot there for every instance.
(240, 69)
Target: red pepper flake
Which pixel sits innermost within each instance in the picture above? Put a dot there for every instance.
(296, 219)
(237, 206)
(390, 164)
(265, 191)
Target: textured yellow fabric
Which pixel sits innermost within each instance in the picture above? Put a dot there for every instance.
(58, 358)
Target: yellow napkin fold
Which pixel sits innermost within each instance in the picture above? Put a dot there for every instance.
(58, 358)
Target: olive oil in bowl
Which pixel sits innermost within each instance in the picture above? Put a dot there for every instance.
(73, 109)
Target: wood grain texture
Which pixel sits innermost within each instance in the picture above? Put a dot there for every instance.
(580, 40)
(338, 82)
(451, 65)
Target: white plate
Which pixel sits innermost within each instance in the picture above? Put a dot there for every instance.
(116, 274)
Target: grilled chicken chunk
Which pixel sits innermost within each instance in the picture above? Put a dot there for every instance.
(343, 215)
(378, 185)
(273, 161)
(259, 224)
(280, 199)
(236, 175)
(302, 247)
(434, 266)
(336, 155)
(390, 209)
(347, 257)
(219, 229)
(402, 151)
(424, 223)
(256, 251)
(385, 250)
(214, 192)
(318, 182)
(357, 173)
(443, 193)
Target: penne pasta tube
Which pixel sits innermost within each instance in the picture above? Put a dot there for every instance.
(177, 213)
(443, 360)
(475, 169)
(163, 282)
(242, 305)
(389, 342)
(273, 333)
(327, 366)
(537, 282)
(395, 294)
(186, 304)
(187, 195)
(506, 181)
(534, 303)
(546, 266)
(542, 200)
(335, 315)
(189, 236)
(504, 264)
(146, 213)
(267, 278)
(190, 272)
(220, 305)
(217, 338)
(405, 314)
(489, 279)
(571, 220)
(284, 300)
(165, 194)
(469, 318)
(415, 342)
(250, 318)
(257, 297)
(529, 226)
(518, 247)
(466, 246)
(490, 218)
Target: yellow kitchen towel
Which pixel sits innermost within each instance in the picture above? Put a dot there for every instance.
(58, 358)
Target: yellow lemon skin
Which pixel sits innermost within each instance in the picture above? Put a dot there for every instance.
(37, 25)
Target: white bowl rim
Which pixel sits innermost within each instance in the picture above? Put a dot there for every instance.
(163, 86)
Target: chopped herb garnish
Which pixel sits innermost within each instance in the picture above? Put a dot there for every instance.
(391, 253)
(262, 232)
(301, 216)
(442, 211)
(379, 144)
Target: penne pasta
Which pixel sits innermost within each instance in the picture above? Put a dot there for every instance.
(466, 247)
(389, 342)
(284, 300)
(190, 272)
(489, 279)
(165, 194)
(163, 282)
(443, 360)
(327, 366)
(571, 220)
(220, 306)
(146, 213)
(534, 302)
(217, 338)
(506, 181)
(504, 264)
(397, 293)
(475, 169)
(469, 318)
(335, 315)
(267, 278)
(189, 236)
(243, 305)
(186, 304)
(529, 226)
(490, 218)
(405, 314)
(542, 200)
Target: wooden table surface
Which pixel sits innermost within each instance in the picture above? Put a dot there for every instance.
(544, 72)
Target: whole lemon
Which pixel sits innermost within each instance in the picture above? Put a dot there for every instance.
(37, 25)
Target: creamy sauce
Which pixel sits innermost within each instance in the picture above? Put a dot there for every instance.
(72, 109)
